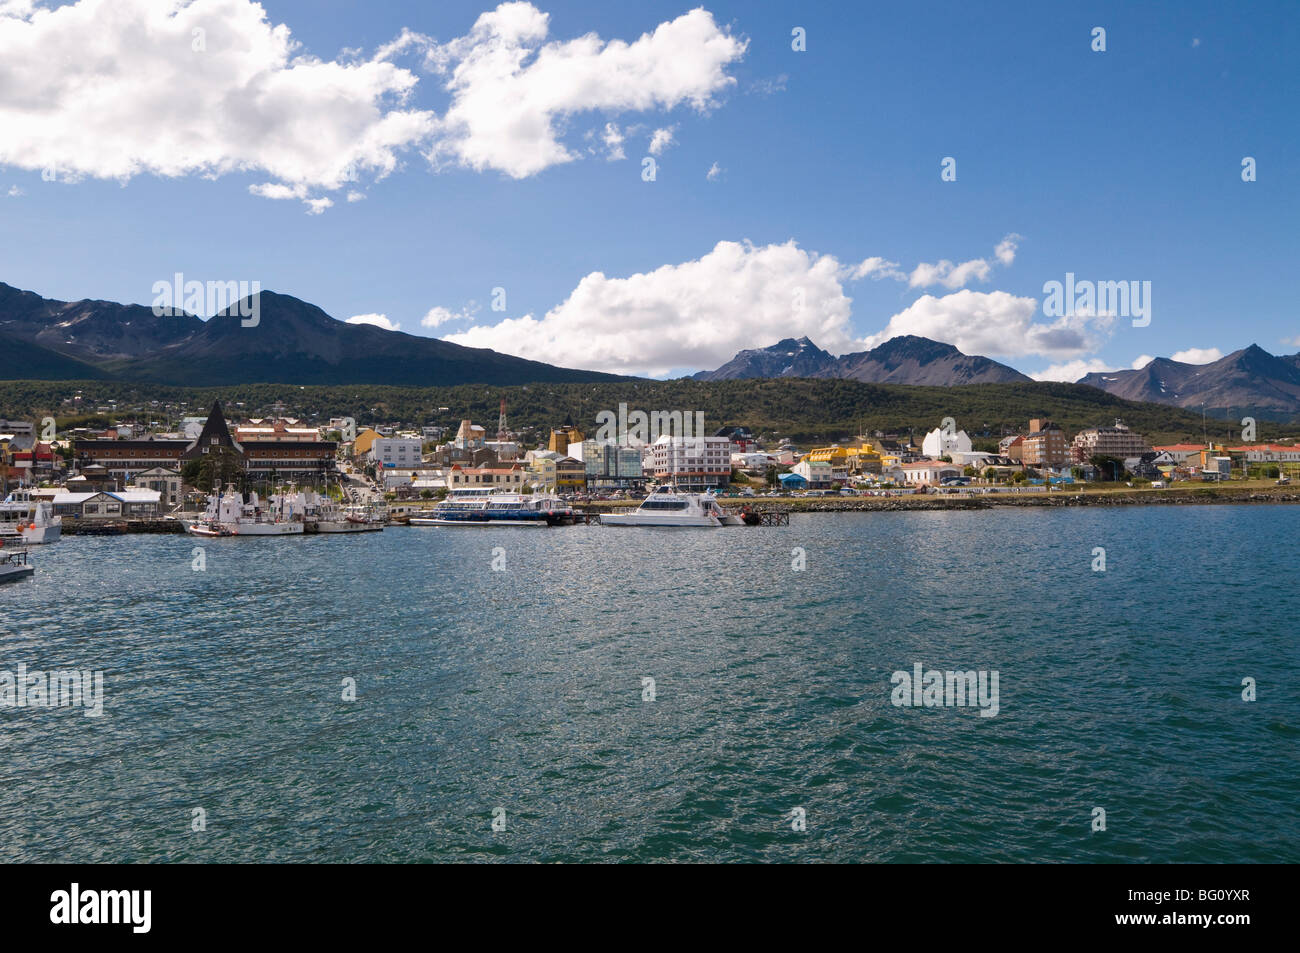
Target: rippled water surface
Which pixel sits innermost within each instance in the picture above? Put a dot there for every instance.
(522, 690)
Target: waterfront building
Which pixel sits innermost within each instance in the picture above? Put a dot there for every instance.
(691, 463)
(793, 481)
(818, 474)
(570, 475)
(1044, 446)
(511, 477)
(1117, 441)
(937, 443)
(396, 452)
(121, 460)
(929, 472)
(165, 481)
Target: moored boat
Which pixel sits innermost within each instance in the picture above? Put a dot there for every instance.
(28, 519)
(477, 507)
(14, 566)
(667, 506)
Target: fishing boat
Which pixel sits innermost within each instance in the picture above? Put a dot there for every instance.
(228, 514)
(668, 506)
(494, 507)
(323, 515)
(30, 520)
(14, 566)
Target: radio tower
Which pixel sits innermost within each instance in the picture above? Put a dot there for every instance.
(501, 422)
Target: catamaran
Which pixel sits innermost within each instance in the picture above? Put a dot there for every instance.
(668, 506)
(28, 519)
(494, 507)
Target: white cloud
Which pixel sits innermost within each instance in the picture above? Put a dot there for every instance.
(661, 140)
(437, 316)
(996, 322)
(1292, 342)
(613, 140)
(1141, 361)
(700, 313)
(1006, 250)
(14, 192)
(768, 86)
(695, 314)
(378, 320)
(876, 268)
(316, 206)
(1071, 371)
(511, 89)
(714, 173)
(1197, 355)
(958, 276)
(356, 196)
(113, 90)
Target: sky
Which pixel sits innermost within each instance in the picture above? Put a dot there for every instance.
(649, 188)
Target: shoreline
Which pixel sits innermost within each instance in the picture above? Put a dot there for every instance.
(1196, 496)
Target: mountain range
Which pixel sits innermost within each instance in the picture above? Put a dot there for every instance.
(296, 342)
(902, 360)
(293, 343)
(1249, 382)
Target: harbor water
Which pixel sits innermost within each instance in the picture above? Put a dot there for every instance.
(594, 693)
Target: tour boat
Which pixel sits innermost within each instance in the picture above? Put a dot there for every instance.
(667, 506)
(494, 507)
(28, 519)
(13, 566)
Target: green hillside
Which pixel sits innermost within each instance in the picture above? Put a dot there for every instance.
(802, 410)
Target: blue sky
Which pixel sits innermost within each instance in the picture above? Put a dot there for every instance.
(1119, 165)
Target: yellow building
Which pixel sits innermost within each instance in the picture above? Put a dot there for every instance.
(543, 471)
(361, 445)
(562, 437)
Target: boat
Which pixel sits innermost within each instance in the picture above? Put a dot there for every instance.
(27, 519)
(496, 507)
(229, 515)
(668, 506)
(323, 515)
(14, 566)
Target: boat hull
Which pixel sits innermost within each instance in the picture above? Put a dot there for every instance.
(267, 529)
(343, 526)
(432, 521)
(33, 535)
(14, 573)
(684, 522)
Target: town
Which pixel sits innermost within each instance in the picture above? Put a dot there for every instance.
(126, 476)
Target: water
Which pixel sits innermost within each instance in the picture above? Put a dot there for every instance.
(522, 690)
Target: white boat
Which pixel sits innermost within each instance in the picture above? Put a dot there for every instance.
(323, 515)
(30, 520)
(13, 566)
(666, 506)
(228, 515)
